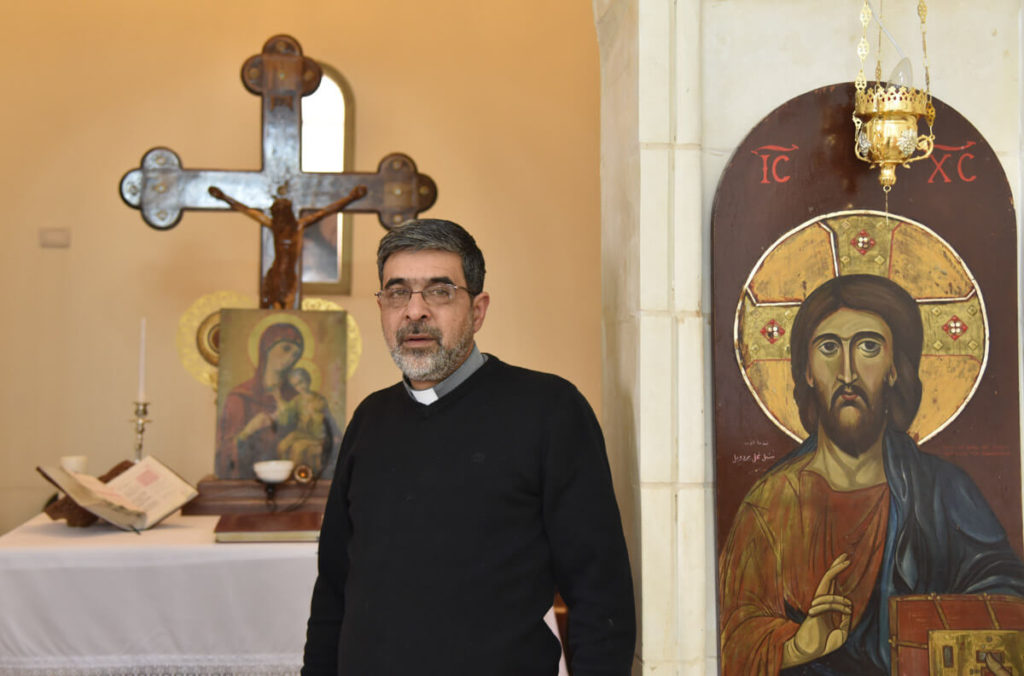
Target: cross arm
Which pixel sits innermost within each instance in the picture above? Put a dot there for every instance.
(160, 189)
(396, 192)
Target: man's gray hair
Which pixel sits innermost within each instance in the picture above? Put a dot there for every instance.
(434, 234)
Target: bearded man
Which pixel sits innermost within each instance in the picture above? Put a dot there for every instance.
(463, 496)
(857, 513)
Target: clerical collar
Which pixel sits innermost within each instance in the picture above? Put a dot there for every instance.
(428, 396)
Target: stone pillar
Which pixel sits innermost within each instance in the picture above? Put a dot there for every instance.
(653, 253)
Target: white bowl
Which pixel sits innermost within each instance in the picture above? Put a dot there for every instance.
(273, 471)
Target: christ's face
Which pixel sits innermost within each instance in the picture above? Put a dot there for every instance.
(850, 368)
(299, 382)
(428, 342)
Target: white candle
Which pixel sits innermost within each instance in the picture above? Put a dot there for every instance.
(142, 361)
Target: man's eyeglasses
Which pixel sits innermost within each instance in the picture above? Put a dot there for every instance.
(435, 295)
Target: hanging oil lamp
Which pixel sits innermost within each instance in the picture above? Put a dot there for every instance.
(886, 114)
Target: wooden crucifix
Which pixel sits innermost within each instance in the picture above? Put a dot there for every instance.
(161, 189)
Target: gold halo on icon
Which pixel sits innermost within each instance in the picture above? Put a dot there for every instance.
(308, 345)
(208, 338)
(198, 334)
(956, 341)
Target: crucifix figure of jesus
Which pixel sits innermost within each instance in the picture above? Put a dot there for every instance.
(281, 283)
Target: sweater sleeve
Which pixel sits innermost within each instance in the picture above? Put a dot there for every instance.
(327, 609)
(589, 557)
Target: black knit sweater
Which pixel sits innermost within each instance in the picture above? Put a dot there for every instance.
(449, 526)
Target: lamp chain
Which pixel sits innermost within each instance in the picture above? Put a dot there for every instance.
(886, 189)
(922, 13)
(878, 52)
(860, 84)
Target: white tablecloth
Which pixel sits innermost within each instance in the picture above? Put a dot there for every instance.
(169, 601)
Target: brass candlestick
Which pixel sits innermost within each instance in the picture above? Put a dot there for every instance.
(140, 420)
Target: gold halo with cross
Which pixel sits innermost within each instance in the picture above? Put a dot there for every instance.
(955, 347)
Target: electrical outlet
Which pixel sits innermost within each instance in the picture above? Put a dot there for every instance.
(54, 238)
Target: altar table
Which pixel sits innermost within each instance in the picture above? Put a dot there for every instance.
(168, 601)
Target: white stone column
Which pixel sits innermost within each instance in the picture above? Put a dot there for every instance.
(655, 385)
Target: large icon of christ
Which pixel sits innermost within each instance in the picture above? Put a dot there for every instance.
(861, 336)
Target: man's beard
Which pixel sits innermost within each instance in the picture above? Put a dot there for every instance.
(853, 438)
(430, 364)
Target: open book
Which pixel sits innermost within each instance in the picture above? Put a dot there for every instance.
(137, 499)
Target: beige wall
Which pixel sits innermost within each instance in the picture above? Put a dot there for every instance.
(497, 101)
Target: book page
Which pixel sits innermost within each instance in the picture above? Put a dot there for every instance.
(93, 495)
(153, 488)
(106, 492)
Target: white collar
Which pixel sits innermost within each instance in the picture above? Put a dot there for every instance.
(428, 396)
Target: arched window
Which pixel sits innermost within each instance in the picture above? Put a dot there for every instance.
(326, 142)
(325, 125)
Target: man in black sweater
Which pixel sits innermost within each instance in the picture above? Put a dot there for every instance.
(463, 497)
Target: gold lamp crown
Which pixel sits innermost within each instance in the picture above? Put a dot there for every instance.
(888, 135)
(886, 117)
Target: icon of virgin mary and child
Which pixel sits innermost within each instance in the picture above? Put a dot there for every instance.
(275, 414)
